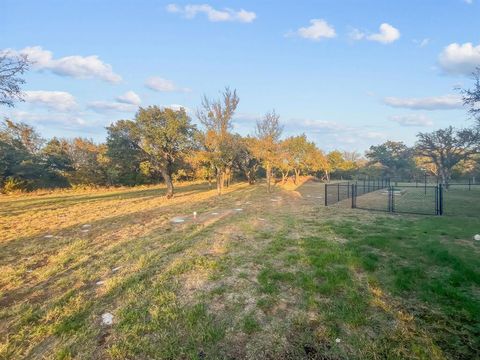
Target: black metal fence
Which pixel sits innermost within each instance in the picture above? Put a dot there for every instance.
(458, 198)
(409, 199)
(337, 192)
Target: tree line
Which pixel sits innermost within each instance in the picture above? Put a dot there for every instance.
(164, 145)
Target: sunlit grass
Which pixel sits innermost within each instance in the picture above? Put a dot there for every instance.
(280, 279)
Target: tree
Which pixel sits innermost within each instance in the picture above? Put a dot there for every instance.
(11, 67)
(126, 157)
(284, 161)
(89, 163)
(163, 136)
(216, 116)
(19, 162)
(395, 158)
(471, 97)
(316, 160)
(57, 162)
(245, 160)
(448, 147)
(268, 132)
(298, 148)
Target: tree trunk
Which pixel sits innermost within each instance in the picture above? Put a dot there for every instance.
(219, 181)
(297, 175)
(228, 176)
(250, 178)
(269, 174)
(167, 177)
(445, 177)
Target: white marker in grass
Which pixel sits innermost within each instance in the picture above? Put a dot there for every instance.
(107, 319)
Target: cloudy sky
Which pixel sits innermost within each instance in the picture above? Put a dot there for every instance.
(348, 73)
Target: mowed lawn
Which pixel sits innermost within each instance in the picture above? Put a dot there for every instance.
(253, 276)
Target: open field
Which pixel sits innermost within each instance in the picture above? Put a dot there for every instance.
(253, 276)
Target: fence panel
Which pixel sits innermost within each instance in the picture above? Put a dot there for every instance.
(462, 199)
(335, 193)
(415, 199)
(371, 195)
(459, 199)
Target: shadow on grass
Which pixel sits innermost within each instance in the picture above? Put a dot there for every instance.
(18, 206)
(151, 265)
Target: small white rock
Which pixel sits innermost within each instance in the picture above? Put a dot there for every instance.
(85, 230)
(337, 340)
(107, 319)
(194, 214)
(116, 269)
(238, 209)
(477, 237)
(177, 220)
(214, 213)
(86, 225)
(101, 282)
(48, 236)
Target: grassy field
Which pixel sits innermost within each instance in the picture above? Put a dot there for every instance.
(253, 276)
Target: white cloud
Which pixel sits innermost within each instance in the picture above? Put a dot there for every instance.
(75, 66)
(421, 43)
(68, 120)
(460, 58)
(58, 100)
(129, 97)
(356, 34)
(428, 103)
(331, 134)
(468, 1)
(387, 34)
(103, 106)
(412, 120)
(160, 84)
(177, 107)
(318, 29)
(214, 15)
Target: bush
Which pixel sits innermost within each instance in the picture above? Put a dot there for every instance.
(12, 185)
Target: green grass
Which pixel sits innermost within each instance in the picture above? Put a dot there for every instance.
(235, 286)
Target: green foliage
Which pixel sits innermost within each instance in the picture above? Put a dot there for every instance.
(395, 159)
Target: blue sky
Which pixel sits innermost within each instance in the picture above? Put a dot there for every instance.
(348, 73)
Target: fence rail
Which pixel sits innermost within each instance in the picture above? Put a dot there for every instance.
(335, 193)
(381, 195)
(411, 199)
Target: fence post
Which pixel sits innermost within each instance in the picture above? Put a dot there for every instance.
(353, 197)
(338, 192)
(348, 189)
(436, 200)
(440, 199)
(389, 199)
(326, 192)
(393, 199)
(469, 184)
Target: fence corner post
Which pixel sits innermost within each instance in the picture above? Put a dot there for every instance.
(440, 199)
(326, 201)
(354, 195)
